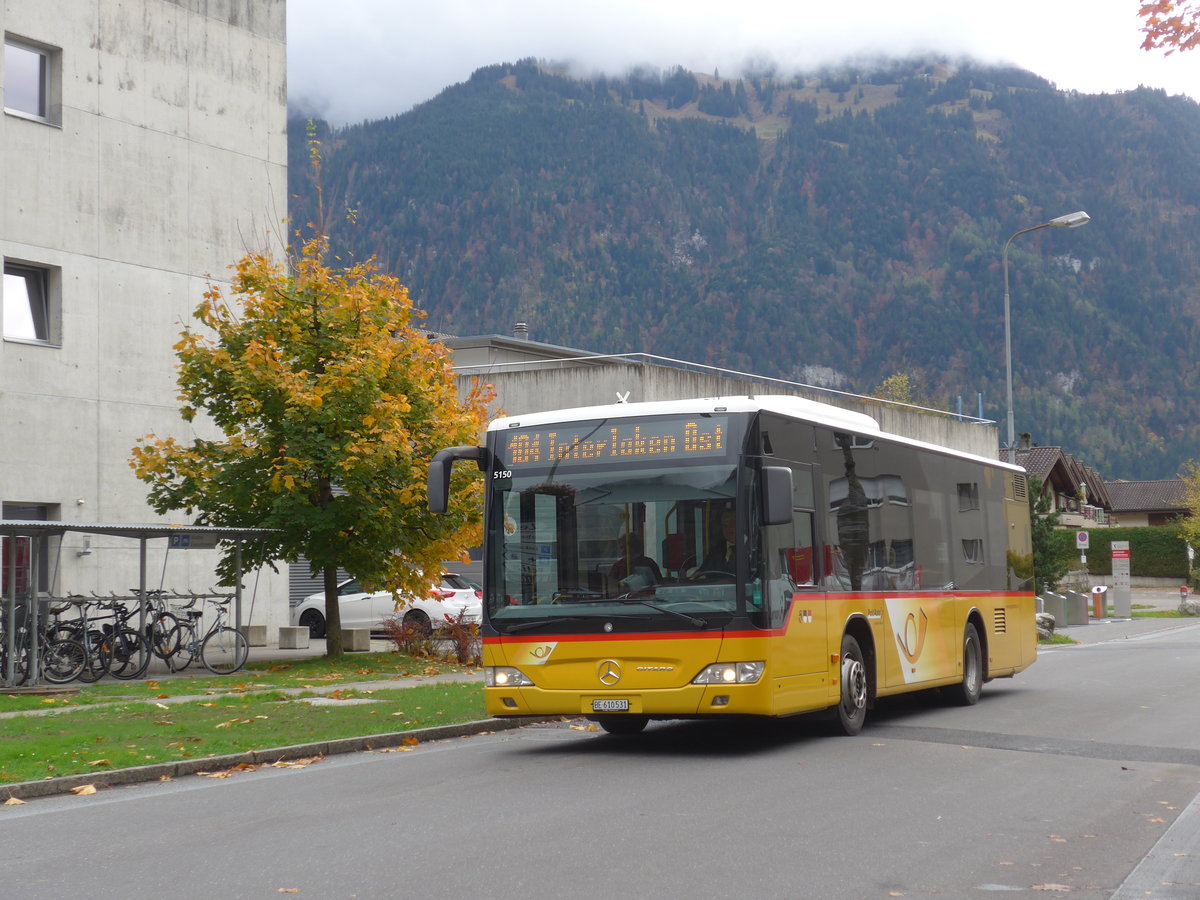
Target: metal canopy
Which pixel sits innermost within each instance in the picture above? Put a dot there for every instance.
(37, 528)
(142, 533)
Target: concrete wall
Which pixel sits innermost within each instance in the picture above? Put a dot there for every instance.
(165, 161)
(545, 386)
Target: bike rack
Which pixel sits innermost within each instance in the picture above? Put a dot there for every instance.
(179, 535)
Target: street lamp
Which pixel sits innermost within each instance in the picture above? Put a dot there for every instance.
(1070, 220)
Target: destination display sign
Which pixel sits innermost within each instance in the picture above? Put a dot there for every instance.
(633, 440)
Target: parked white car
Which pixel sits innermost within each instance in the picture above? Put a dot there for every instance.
(363, 610)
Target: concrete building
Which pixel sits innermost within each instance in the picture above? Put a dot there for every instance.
(534, 377)
(143, 150)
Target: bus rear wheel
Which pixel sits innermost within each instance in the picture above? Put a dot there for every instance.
(852, 710)
(622, 724)
(966, 692)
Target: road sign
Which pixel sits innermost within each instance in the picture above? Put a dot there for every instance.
(1081, 540)
(192, 541)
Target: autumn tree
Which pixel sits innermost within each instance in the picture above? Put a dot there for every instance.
(331, 402)
(1170, 25)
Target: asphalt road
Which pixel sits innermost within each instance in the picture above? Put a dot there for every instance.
(1078, 777)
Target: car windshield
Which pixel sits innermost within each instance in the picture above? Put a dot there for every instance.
(645, 542)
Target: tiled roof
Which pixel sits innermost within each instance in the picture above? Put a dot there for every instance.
(1039, 460)
(1146, 496)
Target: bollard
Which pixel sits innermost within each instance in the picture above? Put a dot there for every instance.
(1183, 593)
(1099, 606)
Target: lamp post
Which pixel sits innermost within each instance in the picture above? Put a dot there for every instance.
(1070, 220)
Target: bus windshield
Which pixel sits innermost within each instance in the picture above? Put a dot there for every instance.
(648, 545)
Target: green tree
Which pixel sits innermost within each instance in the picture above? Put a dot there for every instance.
(1189, 526)
(1049, 566)
(331, 402)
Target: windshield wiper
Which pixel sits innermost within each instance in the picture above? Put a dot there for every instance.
(538, 623)
(694, 620)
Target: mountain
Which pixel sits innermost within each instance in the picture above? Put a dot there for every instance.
(835, 228)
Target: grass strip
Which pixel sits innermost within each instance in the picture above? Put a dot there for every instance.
(298, 673)
(138, 734)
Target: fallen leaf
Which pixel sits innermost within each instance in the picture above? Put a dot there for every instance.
(13, 801)
(164, 722)
(1061, 888)
(84, 789)
(161, 696)
(164, 777)
(409, 741)
(289, 890)
(295, 763)
(162, 706)
(152, 684)
(100, 762)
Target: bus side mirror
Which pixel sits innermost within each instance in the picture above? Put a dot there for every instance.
(438, 482)
(777, 495)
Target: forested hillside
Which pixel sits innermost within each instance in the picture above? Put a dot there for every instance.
(833, 229)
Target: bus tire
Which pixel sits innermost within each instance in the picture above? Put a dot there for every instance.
(852, 709)
(966, 692)
(627, 725)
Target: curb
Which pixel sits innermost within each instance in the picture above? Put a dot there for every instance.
(48, 787)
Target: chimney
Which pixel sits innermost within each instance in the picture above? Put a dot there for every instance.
(521, 331)
(1024, 442)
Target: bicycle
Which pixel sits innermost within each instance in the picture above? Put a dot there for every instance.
(221, 649)
(59, 659)
(162, 625)
(124, 650)
(84, 630)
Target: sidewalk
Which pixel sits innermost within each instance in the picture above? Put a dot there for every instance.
(1142, 600)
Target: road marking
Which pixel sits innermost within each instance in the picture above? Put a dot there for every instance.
(992, 740)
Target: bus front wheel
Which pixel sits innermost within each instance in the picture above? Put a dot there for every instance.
(852, 710)
(622, 724)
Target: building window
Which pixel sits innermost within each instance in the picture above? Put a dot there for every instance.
(28, 302)
(968, 496)
(17, 553)
(30, 80)
(973, 550)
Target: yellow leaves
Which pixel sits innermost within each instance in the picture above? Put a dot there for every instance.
(231, 722)
(84, 790)
(95, 763)
(13, 801)
(230, 772)
(296, 763)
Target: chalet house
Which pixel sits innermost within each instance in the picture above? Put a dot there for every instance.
(1076, 492)
(1147, 502)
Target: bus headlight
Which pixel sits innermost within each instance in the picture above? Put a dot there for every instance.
(730, 673)
(505, 676)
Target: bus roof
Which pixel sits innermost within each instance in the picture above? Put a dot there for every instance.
(795, 407)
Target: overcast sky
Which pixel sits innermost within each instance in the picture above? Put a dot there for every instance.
(350, 60)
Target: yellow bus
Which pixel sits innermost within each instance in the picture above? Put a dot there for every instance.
(740, 556)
